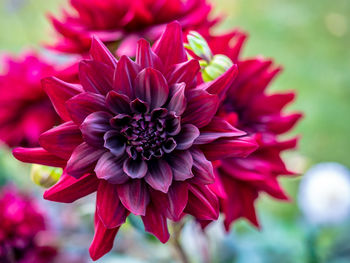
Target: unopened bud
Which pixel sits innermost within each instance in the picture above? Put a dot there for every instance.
(45, 176)
(199, 46)
(217, 66)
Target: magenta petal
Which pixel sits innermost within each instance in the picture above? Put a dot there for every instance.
(68, 189)
(103, 240)
(201, 108)
(134, 196)
(59, 92)
(202, 168)
(61, 140)
(135, 168)
(94, 127)
(159, 175)
(110, 168)
(186, 136)
(80, 106)
(226, 148)
(184, 72)
(202, 203)
(115, 143)
(156, 224)
(125, 74)
(151, 87)
(181, 164)
(83, 160)
(178, 100)
(39, 156)
(145, 57)
(217, 128)
(95, 76)
(118, 103)
(99, 52)
(108, 206)
(170, 47)
(220, 85)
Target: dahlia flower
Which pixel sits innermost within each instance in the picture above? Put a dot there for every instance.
(142, 134)
(21, 222)
(250, 108)
(121, 23)
(25, 109)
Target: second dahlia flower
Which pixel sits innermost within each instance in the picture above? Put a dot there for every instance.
(121, 23)
(142, 134)
(25, 109)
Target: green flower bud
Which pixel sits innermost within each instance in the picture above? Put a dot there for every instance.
(217, 66)
(45, 176)
(199, 46)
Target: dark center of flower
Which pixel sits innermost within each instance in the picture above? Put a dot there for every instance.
(143, 134)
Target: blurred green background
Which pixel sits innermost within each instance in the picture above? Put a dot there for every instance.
(311, 40)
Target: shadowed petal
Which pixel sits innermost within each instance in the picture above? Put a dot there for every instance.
(59, 92)
(186, 136)
(217, 128)
(118, 103)
(202, 168)
(134, 196)
(103, 239)
(95, 76)
(151, 87)
(68, 189)
(80, 106)
(159, 175)
(99, 52)
(94, 127)
(115, 143)
(181, 164)
(156, 224)
(135, 168)
(184, 72)
(124, 76)
(39, 156)
(178, 100)
(108, 206)
(170, 47)
(110, 168)
(61, 140)
(83, 160)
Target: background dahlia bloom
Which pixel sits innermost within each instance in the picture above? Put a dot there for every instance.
(142, 134)
(121, 23)
(250, 108)
(25, 109)
(21, 222)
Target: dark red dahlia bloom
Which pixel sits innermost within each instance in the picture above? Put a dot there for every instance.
(142, 134)
(250, 108)
(25, 109)
(122, 23)
(21, 221)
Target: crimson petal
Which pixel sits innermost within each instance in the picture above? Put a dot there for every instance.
(178, 101)
(108, 206)
(202, 169)
(83, 160)
(156, 224)
(186, 136)
(159, 175)
(95, 76)
(99, 52)
(110, 168)
(81, 105)
(59, 92)
(184, 72)
(118, 103)
(151, 87)
(134, 196)
(39, 156)
(145, 57)
(69, 189)
(94, 127)
(61, 140)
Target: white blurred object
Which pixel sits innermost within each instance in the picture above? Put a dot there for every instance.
(324, 193)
